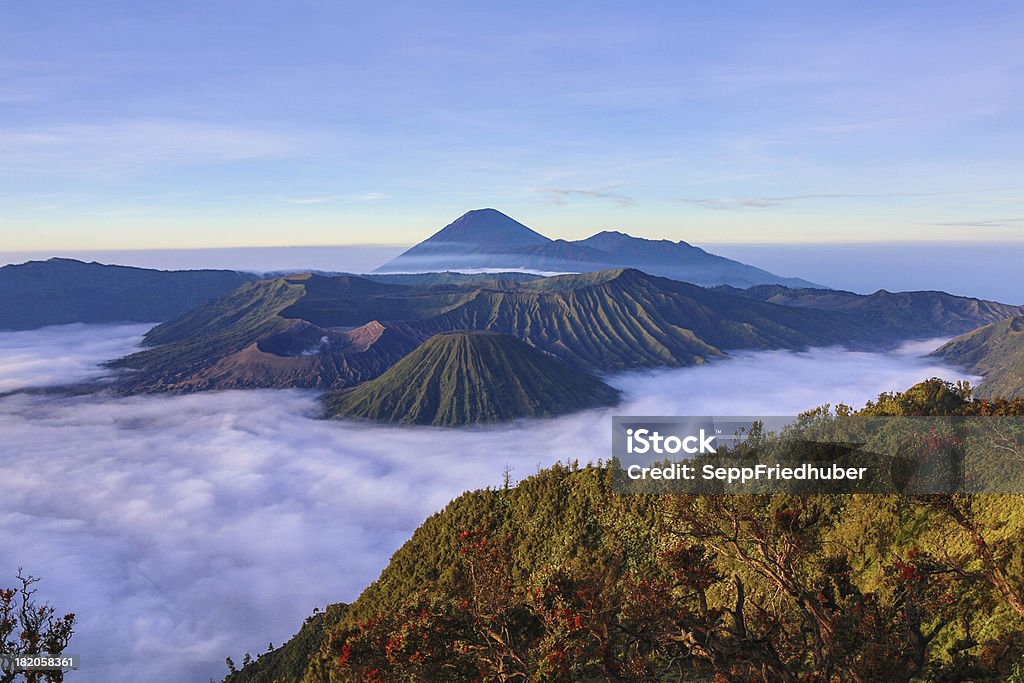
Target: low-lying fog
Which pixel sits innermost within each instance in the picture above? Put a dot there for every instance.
(184, 529)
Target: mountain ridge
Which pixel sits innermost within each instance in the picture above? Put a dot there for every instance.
(310, 331)
(996, 352)
(478, 230)
(487, 238)
(946, 314)
(60, 291)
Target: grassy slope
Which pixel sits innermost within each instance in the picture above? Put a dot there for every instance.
(995, 351)
(197, 340)
(603, 321)
(907, 314)
(623, 319)
(463, 378)
(607, 321)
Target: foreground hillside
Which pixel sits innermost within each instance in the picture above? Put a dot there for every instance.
(996, 352)
(561, 579)
(460, 378)
(61, 291)
(337, 332)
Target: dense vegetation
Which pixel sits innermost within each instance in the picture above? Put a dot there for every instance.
(995, 351)
(60, 291)
(559, 579)
(461, 378)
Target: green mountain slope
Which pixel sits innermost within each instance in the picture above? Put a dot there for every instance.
(332, 333)
(469, 377)
(335, 332)
(562, 578)
(290, 662)
(623, 319)
(910, 314)
(189, 345)
(61, 291)
(996, 352)
(243, 340)
(560, 515)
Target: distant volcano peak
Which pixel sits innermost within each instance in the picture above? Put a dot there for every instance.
(488, 239)
(488, 227)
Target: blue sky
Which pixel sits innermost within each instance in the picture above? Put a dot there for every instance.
(141, 125)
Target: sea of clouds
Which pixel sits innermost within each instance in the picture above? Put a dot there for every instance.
(184, 529)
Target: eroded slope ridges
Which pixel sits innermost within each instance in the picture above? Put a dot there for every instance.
(459, 378)
(332, 333)
(319, 332)
(622, 319)
(249, 339)
(908, 314)
(995, 351)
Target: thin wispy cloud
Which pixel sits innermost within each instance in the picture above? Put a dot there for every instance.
(184, 529)
(24, 82)
(336, 198)
(727, 204)
(844, 127)
(558, 196)
(988, 223)
(743, 77)
(139, 143)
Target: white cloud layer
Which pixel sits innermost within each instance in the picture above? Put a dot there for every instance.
(183, 529)
(62, 354)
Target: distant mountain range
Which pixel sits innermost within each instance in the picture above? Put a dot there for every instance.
(459, 378)
(996, 352)
(908, 313)
(228, 330)
(61, 291)
(488, 239)
(336, 333)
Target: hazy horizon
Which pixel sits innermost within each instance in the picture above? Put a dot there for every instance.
(986, 271)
